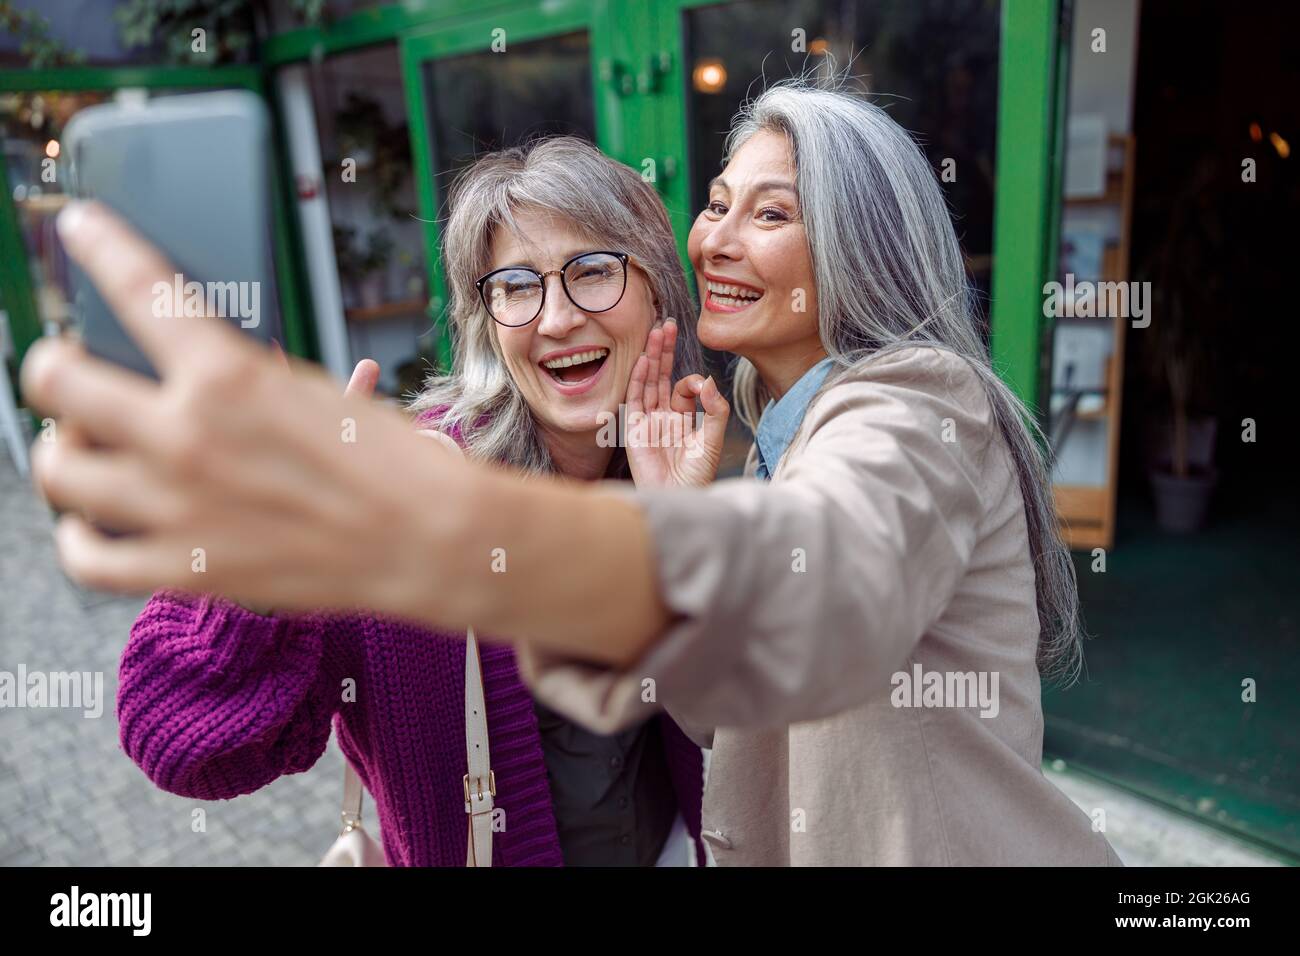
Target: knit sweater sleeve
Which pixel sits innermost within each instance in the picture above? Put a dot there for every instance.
(215, 701)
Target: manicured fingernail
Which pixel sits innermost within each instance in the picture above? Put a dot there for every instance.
(71, 220)
(698, 386)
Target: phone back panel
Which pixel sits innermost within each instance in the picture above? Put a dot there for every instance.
(191, 174)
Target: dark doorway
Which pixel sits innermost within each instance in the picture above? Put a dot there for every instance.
(1183, 620)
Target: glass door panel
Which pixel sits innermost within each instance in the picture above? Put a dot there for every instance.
(476, 106)
(362, 136)
(488, 83)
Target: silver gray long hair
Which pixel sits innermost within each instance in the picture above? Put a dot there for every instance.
(605, 201)
(870, 200)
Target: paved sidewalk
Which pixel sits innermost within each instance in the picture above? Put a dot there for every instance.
(1144, 833)
(70, 795)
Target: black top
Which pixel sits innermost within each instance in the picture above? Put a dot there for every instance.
(613, 797)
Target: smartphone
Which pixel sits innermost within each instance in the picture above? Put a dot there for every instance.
(191, 173)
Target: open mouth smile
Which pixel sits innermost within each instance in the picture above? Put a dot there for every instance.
(730, 296)
(575, 371)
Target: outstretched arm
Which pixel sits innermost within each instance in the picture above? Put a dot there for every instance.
(298, 498)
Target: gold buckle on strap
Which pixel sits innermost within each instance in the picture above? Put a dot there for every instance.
(478, 782)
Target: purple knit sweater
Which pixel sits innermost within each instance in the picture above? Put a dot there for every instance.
(215, 701)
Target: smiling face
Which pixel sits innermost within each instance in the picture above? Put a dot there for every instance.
(569, 365)
(750, 252)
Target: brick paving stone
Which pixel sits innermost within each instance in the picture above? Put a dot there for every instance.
(79, 799)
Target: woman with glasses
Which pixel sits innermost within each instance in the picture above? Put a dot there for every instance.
(559, 262)
(858, 626)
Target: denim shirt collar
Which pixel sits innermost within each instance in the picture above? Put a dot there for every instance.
(782, 419)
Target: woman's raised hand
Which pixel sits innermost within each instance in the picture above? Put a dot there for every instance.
(231, 476)
(665, 446)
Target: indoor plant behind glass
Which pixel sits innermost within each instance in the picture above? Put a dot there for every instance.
(374, 287)
(1187, 305)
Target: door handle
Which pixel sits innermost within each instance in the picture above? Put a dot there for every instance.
(624, 81)
(656, 68)
(616, 75)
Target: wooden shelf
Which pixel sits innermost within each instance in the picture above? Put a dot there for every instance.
(1095, 414)
(387, 310)
(44, 203)
(1081, 510)
(1113, 196)
(1087, 513)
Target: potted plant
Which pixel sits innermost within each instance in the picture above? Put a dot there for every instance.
(363, 267)
(375, 264)
(412, 272)
(380, 148)
(351, 265)
(1186, 306)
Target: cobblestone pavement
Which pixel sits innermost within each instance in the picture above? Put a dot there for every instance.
(69, 793)
(71, 797)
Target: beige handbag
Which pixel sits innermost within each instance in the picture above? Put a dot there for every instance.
(355, 847)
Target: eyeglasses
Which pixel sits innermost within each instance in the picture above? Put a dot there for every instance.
(593, 281)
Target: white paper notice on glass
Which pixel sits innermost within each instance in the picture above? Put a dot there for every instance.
(1080, 352)
(1085, 157)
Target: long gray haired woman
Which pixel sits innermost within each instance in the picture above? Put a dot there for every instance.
(881, 701)
(858, 627)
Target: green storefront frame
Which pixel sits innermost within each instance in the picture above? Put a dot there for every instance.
(1032, 88)
(15, 275)
(640, 98)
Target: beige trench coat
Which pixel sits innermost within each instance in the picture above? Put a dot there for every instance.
(891, 545)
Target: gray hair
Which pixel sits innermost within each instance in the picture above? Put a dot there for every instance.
(870, 200)
(609, 204)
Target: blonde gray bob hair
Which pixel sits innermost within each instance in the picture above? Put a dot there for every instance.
(605, 201)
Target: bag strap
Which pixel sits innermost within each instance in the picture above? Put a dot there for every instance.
(352, 794)
(480, 782)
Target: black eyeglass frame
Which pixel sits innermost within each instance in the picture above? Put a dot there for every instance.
(622, 257)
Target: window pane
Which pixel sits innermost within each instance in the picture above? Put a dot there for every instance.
(486, 101)
(365, 146)
(121, 33)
